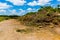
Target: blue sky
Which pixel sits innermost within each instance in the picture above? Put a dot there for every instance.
(21, 7)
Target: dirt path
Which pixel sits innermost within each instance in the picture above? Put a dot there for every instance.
(8, 32)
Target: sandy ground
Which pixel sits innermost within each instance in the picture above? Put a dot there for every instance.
(8, 32)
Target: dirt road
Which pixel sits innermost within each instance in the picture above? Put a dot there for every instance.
(8, 32)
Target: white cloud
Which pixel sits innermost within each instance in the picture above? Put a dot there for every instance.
(4, 6)
(2, 10)
(31, 10)
(32, 3)
(43, 2)
(39, 2)
(17, 2)
(58, 0)
(21, 11)
(14, 12)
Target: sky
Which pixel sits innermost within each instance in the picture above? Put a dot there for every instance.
(21, 7)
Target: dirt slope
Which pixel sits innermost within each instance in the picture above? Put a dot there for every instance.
(8, 32)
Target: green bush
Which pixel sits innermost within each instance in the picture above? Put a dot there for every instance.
(44, 16)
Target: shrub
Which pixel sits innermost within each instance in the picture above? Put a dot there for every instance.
(43, 17)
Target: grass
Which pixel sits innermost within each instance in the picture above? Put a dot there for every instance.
(3, 18)
(6, 17)
(27, 30)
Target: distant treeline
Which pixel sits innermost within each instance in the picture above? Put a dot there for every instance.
(6, 17)
(9, 16)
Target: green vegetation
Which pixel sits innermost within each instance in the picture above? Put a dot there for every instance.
(46, 15)
(6, 17)
(27, 30)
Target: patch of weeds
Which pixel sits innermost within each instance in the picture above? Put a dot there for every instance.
(20, 30)
(24, 30)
